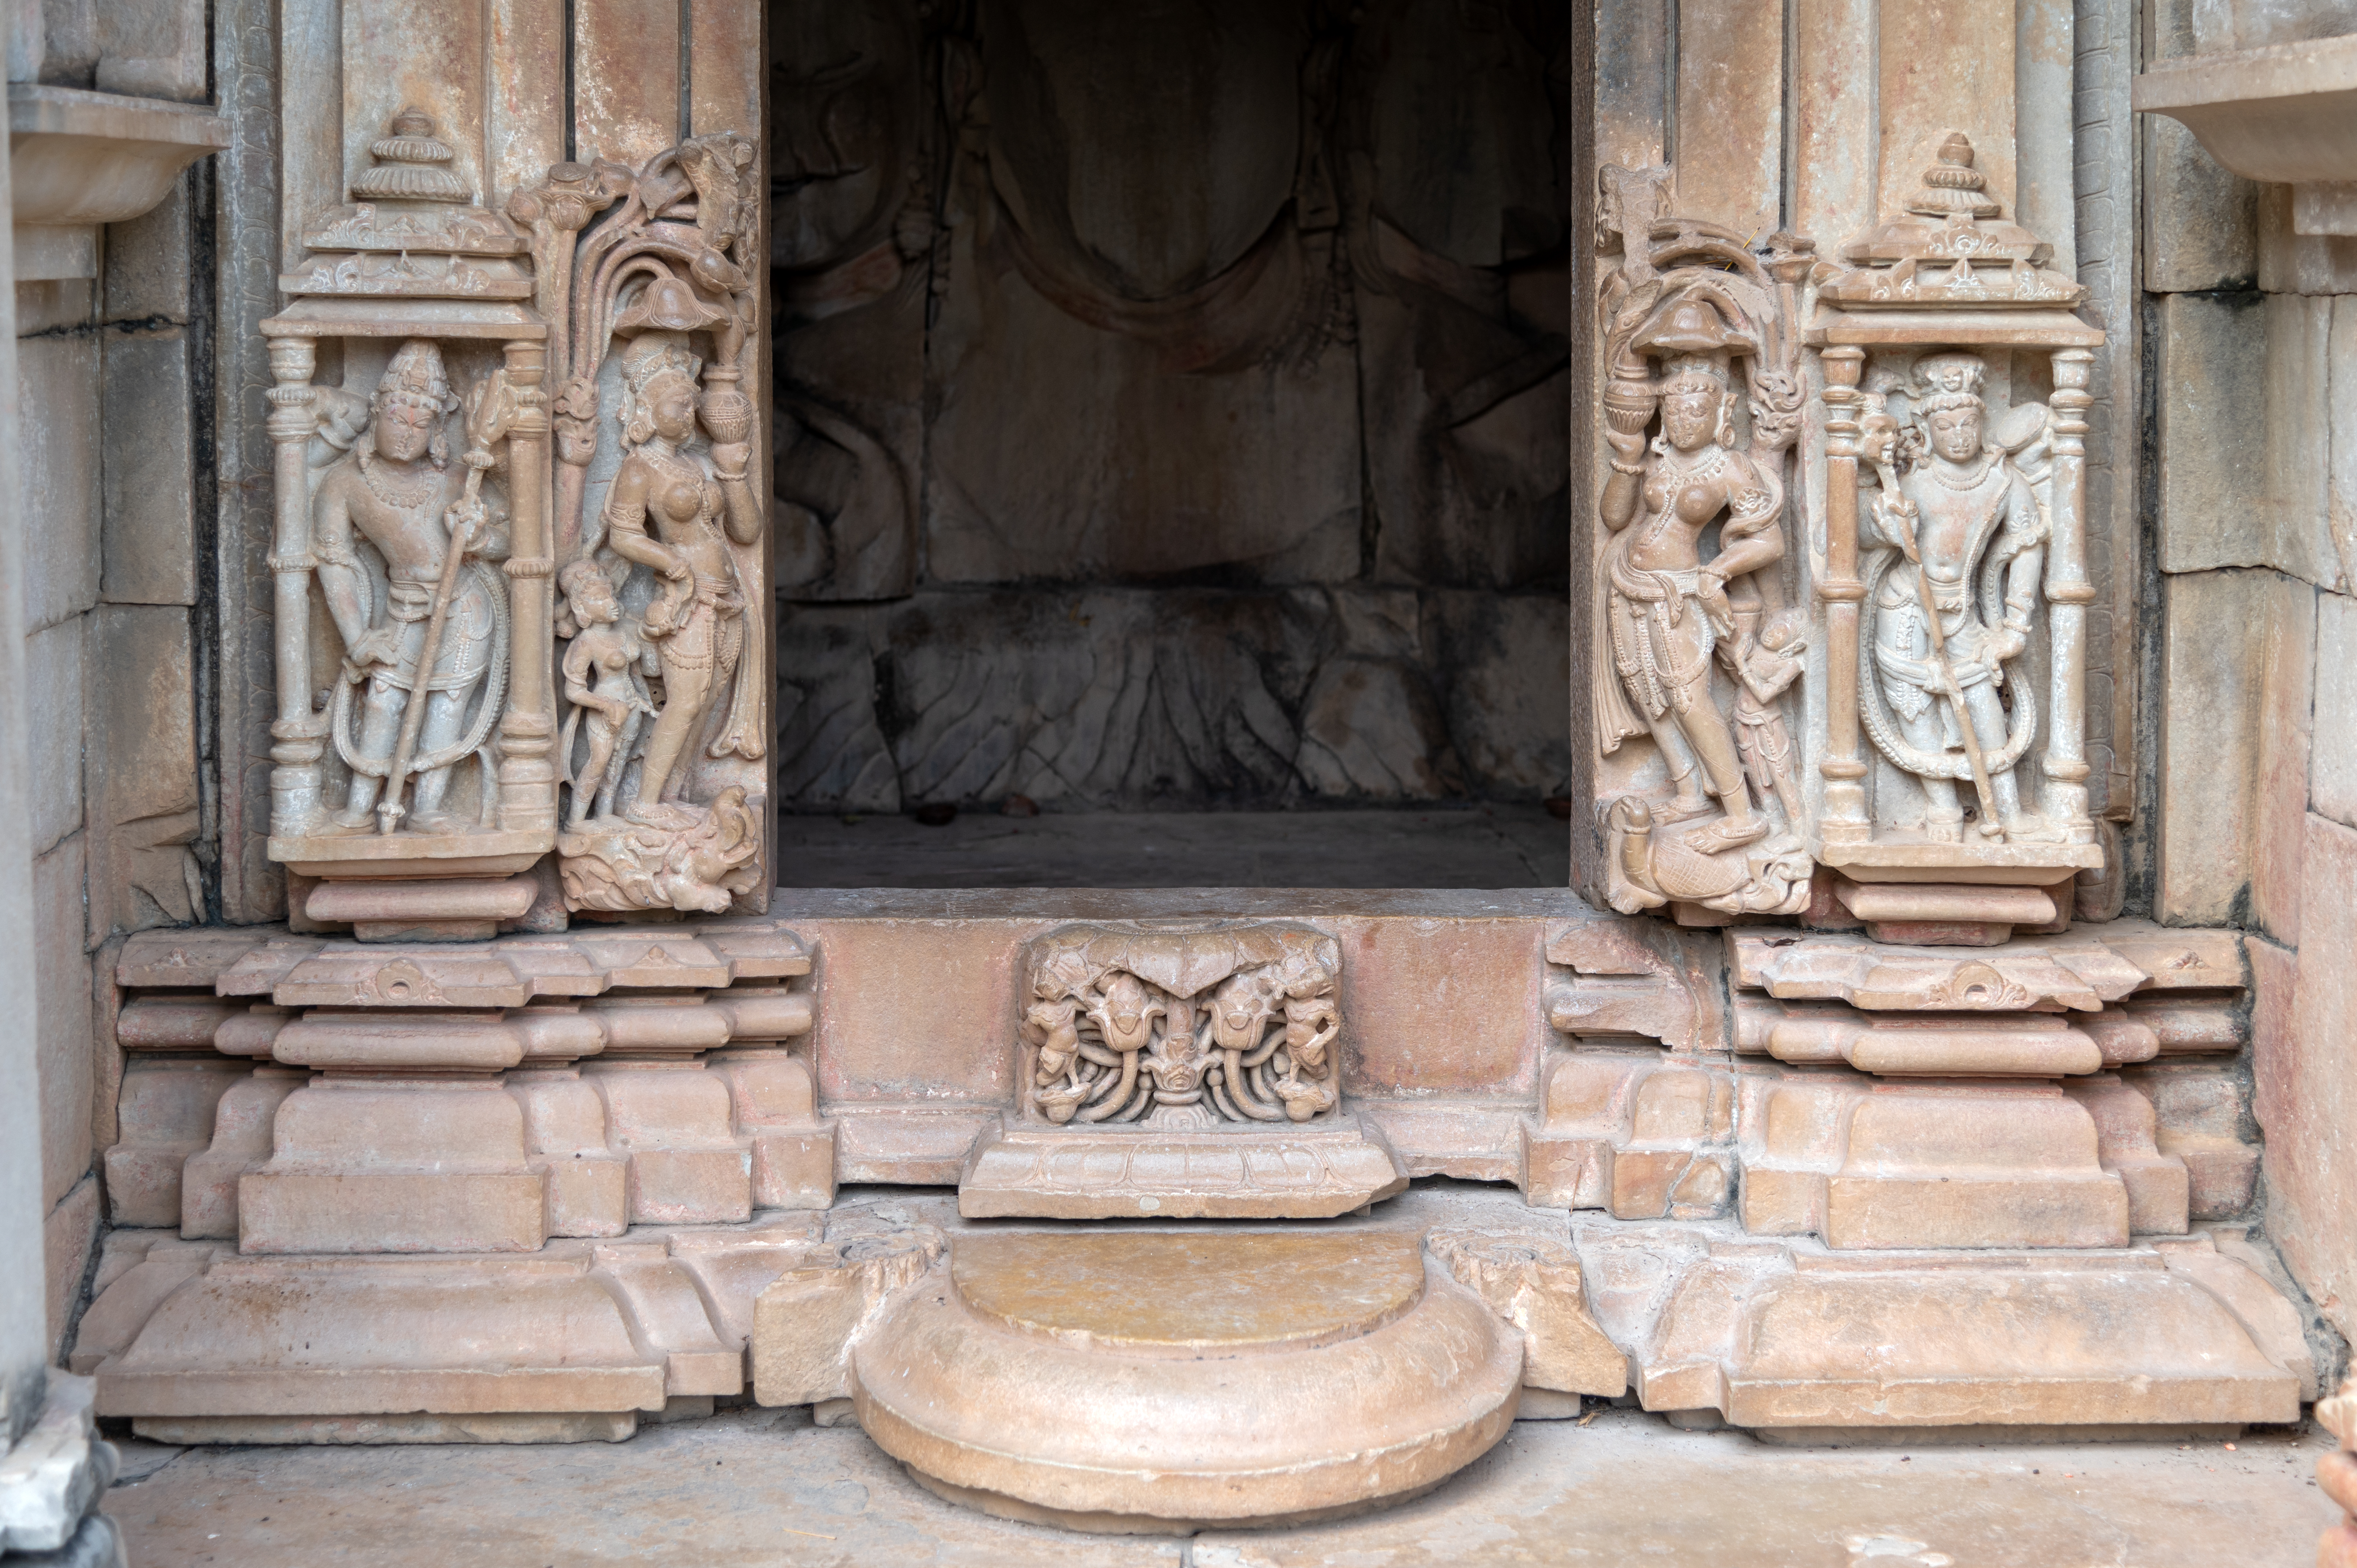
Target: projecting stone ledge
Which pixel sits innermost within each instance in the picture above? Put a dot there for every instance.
(1312, 1172)
(1787, 1338)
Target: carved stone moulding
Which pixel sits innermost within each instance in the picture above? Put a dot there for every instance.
(1697, 650)
(1948, 477)
(1163, 1339)
(584, 352)
(1787, 1339)
(1993, 1097)
(2279, 114)
(411, 556)
(432, 1098)
(572, 1342)
(80, 159)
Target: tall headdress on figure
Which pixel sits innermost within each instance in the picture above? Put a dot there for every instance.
(415, 379)
(1950, 381)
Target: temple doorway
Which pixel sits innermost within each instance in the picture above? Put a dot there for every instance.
(1171, 442)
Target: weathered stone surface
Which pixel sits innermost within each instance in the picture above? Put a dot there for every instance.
(141, 772)
(1284, 1172)
(55, 1473)
(2200, 220)
(58, 428)
(1638, 1133)
(2213, 386)
(62, 993)
(2233, 747)
(805, 1323)
(2301, 1065)
(145, 276)
(53, 722)
(2294, 262)
(2340, 506)
(2332, 777)
(148, 537)
(763, 1488)
(2203, 1112)
(1880, 1166)
(166, 1115)
(242, 1118)
(1533, 1282)
(1780, 1334)
(2299, 415)
(68, 1237)
(388, 1431)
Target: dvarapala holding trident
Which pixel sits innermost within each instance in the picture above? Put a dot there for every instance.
(1952, 610)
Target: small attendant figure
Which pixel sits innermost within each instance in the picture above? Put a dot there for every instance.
(1764, 667)
(605, 669)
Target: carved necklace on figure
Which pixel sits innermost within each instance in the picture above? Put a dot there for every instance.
(1676, 476)
(1702, 471)
(411, 498)
(1979, 474)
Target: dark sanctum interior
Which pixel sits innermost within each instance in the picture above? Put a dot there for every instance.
(1172, 436)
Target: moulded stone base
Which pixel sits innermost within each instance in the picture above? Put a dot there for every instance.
(1772, 1336)
(1310, 1172)
(1103, 1381)
(653, 1320)
(334, 1337)
(572, 1426)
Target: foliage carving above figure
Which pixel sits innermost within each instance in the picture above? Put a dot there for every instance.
(660, 529)
(1696, 649)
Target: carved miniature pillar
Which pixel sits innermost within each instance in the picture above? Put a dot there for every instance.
(528, 728)
(1844, 818)
(2068, 592)
(299, 733)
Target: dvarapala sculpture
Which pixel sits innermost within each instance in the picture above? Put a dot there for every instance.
(426, 627)
(1952, 576)
(1953, 589)
(1695, 654)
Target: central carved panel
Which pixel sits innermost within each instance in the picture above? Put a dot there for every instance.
(1223, 1025)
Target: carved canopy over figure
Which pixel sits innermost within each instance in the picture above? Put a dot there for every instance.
(1687, 308)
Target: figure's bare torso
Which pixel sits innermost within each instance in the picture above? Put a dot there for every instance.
(1950, 519)
(411, 538)
(1693, 499)
(680, 498)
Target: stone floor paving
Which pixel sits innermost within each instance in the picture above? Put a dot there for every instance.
(1492, 845)
(766, 1487)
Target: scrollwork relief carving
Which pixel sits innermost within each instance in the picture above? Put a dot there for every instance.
(1173, 1029)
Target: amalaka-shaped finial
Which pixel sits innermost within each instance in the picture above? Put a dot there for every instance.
(409, 165)
(1953, 187)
